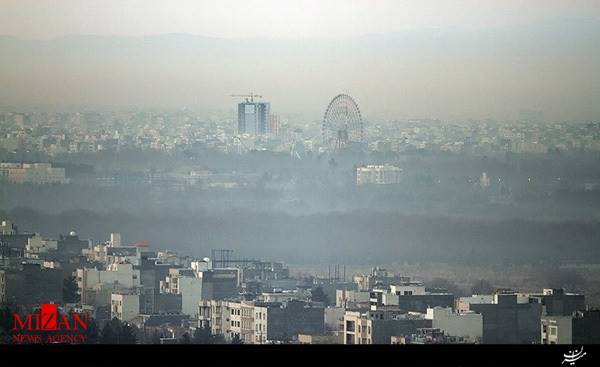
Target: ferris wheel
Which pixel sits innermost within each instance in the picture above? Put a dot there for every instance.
(342, 123)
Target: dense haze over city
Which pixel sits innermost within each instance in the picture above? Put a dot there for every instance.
(453, 143)
(406, 61)
(441, 98)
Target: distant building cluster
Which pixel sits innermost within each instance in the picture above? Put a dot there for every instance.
(378, 175)
(166, 296)
(87, 132)
(35, 173)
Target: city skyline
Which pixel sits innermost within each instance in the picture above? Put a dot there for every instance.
(531, 58)
(352, 172)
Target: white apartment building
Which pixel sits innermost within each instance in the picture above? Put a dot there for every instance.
(195, 286)
(260, 322)
(557, 330)
(8, 227)
(37, 244)
(89, 280)
(125, 306)
(351, 298)
(408, 289)
(378, 174)
(467, 325)
(284, 296)
(185, 282)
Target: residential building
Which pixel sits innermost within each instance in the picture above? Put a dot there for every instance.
(260, 322)
(583, 327)
(253, 117)
(125, 305)
(195, 286)
(557, 302)
(505, 321)
(92, 281)
(409, 297)
(378, 175)
(352, 299)
(468, 325)
(378, 278)
(377, 327)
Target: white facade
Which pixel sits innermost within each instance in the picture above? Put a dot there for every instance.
(115, 239)
(378, 174)
(408, 289)
(284, 296)
(349, 298)
(190, 289)
(37, 244)
(124, 306)
(557, 330)
(334, 317)
(122, 274)
(7, 227)
(467, 325)
(463, 303)
(200, 266)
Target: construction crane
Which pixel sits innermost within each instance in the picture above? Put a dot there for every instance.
(251, 95)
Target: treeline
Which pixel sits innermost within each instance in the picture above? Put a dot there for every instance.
(354, 237)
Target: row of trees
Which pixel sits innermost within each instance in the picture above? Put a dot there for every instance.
(200, 336)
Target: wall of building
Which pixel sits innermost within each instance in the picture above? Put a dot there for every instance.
(556, 330)
(125, 307)
(463, 325)
(191, 293)
(419, 303)
(509, 322)
(286, 323)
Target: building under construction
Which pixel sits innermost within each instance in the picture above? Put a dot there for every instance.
(253, 117)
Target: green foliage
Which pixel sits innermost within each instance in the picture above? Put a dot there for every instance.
(6, 315)
(117, 332)
(92, 332)
(317, 295)
(202, 336)
(70, 290)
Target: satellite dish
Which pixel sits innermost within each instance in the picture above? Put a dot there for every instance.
(206, 260)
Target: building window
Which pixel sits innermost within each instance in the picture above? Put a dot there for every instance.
(350, 326)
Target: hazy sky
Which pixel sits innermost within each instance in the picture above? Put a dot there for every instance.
(441, 59)
(42, 19)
